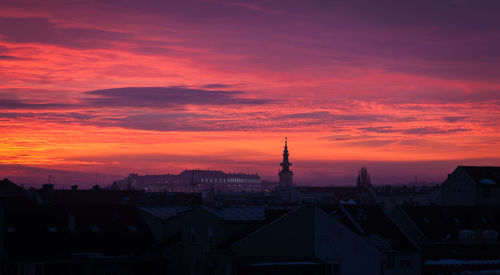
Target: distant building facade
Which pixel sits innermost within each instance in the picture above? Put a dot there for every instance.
(472, 185)
(196, 181)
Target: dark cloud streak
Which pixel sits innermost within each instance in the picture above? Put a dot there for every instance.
(160, 97)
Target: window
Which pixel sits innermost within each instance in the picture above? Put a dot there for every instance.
(490, 234)
(210, 234)
(487, 192)
(467, 235)
(193, 234)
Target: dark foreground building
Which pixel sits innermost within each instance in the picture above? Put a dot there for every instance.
(45, 239)
(292, 230)
(454, 239)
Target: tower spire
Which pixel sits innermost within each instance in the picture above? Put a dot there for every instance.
(285, 164)
(285, 174)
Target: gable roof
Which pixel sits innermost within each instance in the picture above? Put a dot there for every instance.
(305, 233)
(291, 234)
(164, 212)
(10, 189)
(484, 175)
(377, 225)
(13, 195)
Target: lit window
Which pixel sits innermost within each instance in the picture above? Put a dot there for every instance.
(52, 229)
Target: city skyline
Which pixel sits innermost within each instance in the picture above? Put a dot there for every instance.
(111, 88)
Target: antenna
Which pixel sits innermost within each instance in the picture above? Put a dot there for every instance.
(50, 179)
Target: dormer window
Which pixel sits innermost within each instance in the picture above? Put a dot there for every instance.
(490, 235)
(467, 235)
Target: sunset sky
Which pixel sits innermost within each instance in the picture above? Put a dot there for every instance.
(405, 88)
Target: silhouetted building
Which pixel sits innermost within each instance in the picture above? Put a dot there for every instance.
(454, 239)
(209, 232)
(195, 181)
(11, 194)
(286, 175)
(335, 195)
(76, 240)
(306, 241)
(390, 196)
(48, 195)
(472, 185)
(164, 221)
(375, 225)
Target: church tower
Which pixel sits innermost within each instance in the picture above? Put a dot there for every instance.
(285, 174)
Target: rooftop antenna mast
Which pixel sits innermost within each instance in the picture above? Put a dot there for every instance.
(50, 180)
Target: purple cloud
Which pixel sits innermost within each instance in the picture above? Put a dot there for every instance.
(433, 131)
(44, 31)
(453, 119)
(21, 104)
(378, 129)
(216, 86)
(176, 122)
(161, 97)
(9, 57)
